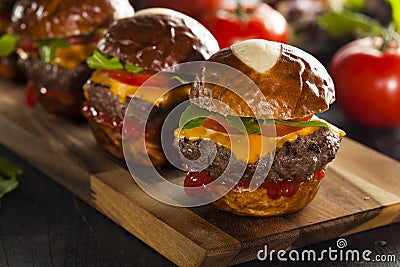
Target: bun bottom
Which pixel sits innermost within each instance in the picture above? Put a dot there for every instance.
(258, 203)
(11, 70)
(110, 139)
(57, 89)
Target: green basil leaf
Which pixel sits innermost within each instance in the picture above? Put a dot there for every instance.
(9, 169)
(47, 48)
(133, 68)
(246, 125)
(194, 123)
(8, 177)
(8, 44)
(302, 123)
(193, 117)
(344, 23)
(100, 61)
(7, 185)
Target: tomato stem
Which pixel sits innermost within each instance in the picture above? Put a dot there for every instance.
(242, 12)
(389, 35)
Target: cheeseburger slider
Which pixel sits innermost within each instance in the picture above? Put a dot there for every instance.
(55, 39)
(130, 52)
(9, 68)
(291, 87)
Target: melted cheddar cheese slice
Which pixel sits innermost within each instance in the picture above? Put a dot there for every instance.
(250, 148)
(72, 56)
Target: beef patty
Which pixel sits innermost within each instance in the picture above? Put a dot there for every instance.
(299, 159)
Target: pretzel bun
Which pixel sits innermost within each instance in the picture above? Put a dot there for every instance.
(158, 38)
(290, 83)
(258, 203)
(35, 20)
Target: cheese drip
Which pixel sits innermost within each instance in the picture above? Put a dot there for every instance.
(72, 56)
(250, 148)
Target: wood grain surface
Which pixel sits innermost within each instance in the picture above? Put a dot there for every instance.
(356, 195)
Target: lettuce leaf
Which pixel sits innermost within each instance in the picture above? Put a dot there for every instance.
(8, 176)
(101, 61)
(194, 117)
(47, 48)
(8, 44)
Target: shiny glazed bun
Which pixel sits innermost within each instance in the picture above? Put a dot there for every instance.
(292, 83)
(157, 38)
(40, 19)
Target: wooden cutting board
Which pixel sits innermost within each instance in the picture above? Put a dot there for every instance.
(357, 194)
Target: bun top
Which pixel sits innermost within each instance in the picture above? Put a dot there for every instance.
(34, 20)
(157, 38)
(285, 82)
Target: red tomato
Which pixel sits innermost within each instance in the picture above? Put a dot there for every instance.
(84, 39)
(27, 46)
(367, 82)
(193, 8)
(217, 124)
(127, 77)
(261, 21)
(138, 79)
(282, 130)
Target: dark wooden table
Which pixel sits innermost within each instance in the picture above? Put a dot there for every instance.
(42, 224)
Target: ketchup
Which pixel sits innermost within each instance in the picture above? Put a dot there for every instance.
(31, 94)
(198, 180)
(275, 189)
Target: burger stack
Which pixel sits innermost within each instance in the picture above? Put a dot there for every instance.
(129, 53)
(291, 86)
(55, 38)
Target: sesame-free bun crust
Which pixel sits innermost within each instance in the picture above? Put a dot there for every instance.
(258, 203)
(41, 19)
(292, 83)
(158, 38)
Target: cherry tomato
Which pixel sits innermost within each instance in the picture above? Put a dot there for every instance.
(193, 8)
(367, 82)
(261, 21)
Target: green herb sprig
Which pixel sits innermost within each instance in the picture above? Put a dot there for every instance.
(194, 117)
(47, 48)
(101, 61)
(350, 21)
(8, 44)
(8, 176)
